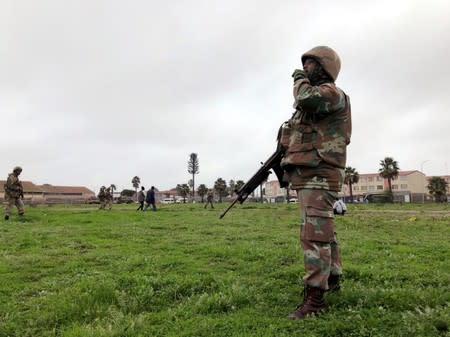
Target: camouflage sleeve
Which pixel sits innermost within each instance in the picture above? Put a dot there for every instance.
(322, 100)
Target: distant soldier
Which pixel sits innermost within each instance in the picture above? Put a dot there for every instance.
(14, 193)
(109, 197)
(209, 199)
(102, 197)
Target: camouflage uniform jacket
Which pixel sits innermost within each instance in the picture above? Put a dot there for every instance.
(102, 195)
(320, 129)
(209, 197)
(108, 194)
(13, 186)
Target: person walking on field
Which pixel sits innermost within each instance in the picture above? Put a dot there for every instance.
(314, 141)
(150, 199)
(141, 199)
(209, 199)
(339, 207)
(14, 193)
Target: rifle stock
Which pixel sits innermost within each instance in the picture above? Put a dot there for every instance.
(261, 175)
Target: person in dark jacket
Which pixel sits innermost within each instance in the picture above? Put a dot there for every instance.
(150, 199)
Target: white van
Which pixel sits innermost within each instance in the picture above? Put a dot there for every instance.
(168, 201)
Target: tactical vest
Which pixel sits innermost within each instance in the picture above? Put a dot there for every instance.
(307, 142)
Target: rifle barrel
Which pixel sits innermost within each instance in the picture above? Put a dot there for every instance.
(228, 208)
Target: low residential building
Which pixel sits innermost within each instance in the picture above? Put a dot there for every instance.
(275, 193)
(409, 186)
(47, 193)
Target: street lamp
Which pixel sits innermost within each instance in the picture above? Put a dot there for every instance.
(421, 170)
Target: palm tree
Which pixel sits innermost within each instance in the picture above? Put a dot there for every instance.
(193, 168)
(389, 170)
(183, 191)
(220, 186)
(231, 186)
(438, 188)
(239, 184)
(351, 177)
(113, 188)
(136, 181)
(202, 190)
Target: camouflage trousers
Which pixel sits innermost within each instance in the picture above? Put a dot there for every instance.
(318, 237)
(109, 203)
(102, 204)
(10, 202)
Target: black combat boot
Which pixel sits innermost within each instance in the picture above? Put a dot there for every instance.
(313, 303)
(6, 217)
(334, 283)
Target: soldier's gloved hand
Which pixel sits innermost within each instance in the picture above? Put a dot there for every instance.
(299, 74)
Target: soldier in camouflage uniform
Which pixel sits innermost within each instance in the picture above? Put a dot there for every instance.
(108, 197)
(314, 141)
(209, 199)
(14, 193)
(102, 197)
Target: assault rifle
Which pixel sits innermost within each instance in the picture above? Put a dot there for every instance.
(273, 163)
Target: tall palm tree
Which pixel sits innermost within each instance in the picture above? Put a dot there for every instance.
(351, 177)
(438, 189)
(389, 170)
(239, 184)
(202, 190)
(221, 188)
(113, 188)
(183, 191)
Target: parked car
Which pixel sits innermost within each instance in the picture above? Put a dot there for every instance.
(168, 201)
(293, 200)
(123, 199)
(377, 198)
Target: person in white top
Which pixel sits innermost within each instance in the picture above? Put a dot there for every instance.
(339, 207)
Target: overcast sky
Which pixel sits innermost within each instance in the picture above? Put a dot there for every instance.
(96, 92)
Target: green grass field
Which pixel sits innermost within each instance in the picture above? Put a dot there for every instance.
(77, 271)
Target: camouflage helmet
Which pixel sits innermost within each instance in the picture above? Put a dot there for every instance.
(17, 168)
(327, 58)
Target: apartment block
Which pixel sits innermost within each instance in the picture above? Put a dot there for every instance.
(409, 186)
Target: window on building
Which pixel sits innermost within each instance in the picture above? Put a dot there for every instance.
(362, 179)
(404, 186)
(355, 188)
(371, 188)
(395, 187)
(363, 188)
(369, 179)
(403, 178)
(379, 178)
(379, 187)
